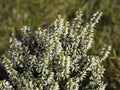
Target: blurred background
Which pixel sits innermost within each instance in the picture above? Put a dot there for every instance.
(14, 14)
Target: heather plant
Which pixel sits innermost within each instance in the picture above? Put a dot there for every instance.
(55, 58)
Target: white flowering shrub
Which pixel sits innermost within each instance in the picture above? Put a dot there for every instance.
(55, 58)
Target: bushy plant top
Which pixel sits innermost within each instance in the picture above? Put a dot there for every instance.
(55, 58)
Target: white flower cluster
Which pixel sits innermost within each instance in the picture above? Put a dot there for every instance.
(5, 85)
(55, 58)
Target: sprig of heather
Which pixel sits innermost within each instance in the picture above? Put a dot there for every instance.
(55, 58)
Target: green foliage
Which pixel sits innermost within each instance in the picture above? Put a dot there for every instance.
(55, 58)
